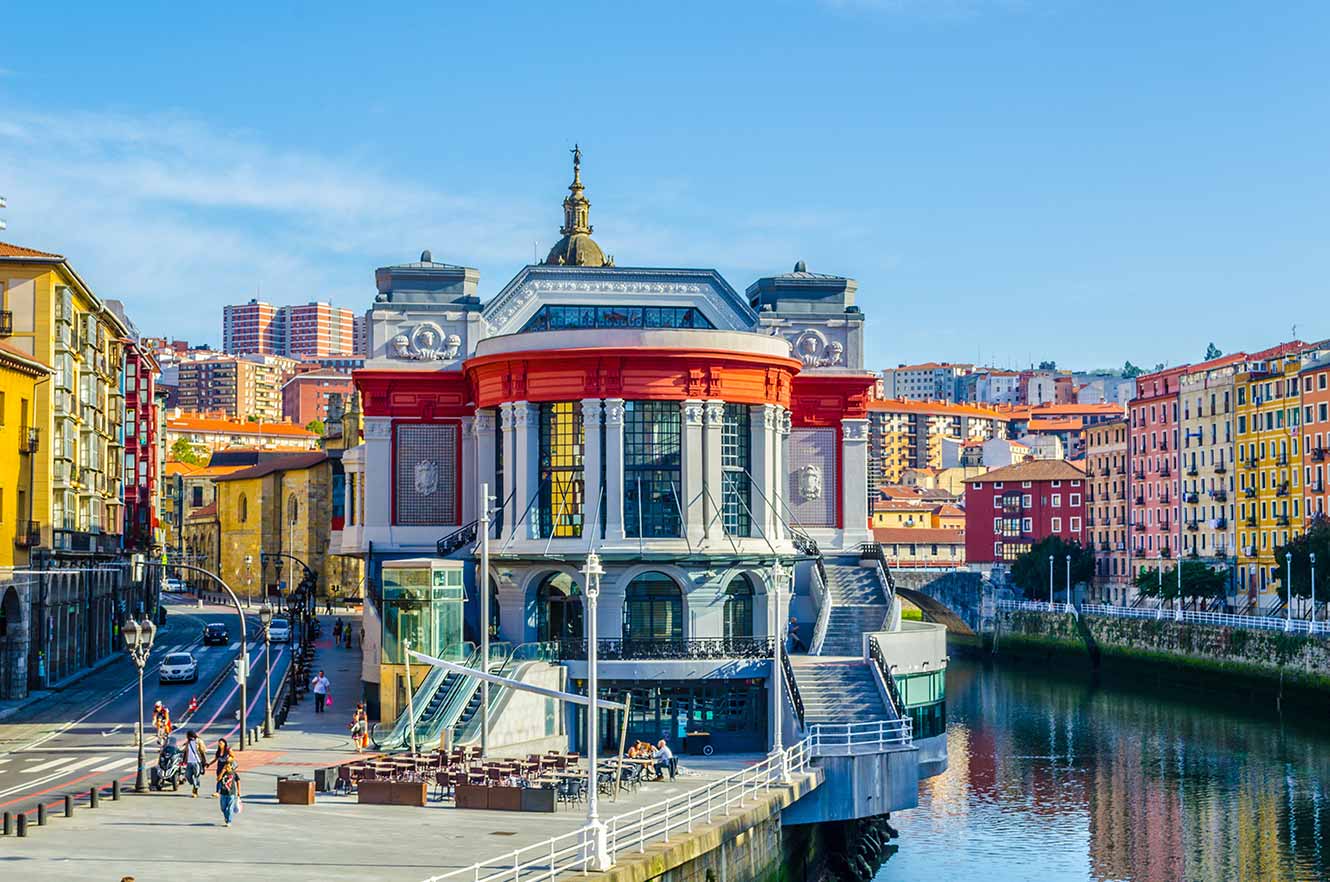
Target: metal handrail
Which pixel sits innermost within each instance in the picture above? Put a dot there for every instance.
(1036, 606)
(818, 585)
(792, 688)
(398, 734)
(878, 658)
(1227, 620)
(616, 649)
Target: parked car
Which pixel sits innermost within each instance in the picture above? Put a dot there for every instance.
(172, 585)
(215, 634)
(178, 667)
(279, 631)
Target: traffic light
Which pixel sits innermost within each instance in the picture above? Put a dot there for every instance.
(240, 668)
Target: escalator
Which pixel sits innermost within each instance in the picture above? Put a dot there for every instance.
(433, 695)
(466, 729)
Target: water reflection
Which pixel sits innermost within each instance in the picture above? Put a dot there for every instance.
(1058, 780)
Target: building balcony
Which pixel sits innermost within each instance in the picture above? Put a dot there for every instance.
(1281, 520)
(88, 542)
(1249, 492)
(1220, 468)
(1193, 526)
(1165, 471)
(28, 535)
(1192, 471)
(1317, 487)
(1221, 523)
(1140, 499)
(1165, 498)
(6, 322)
(29, 439)
(672, 650)
(1282, 459)
(1139, 474)
(1282, 489)
(1318, 454)
(1121, 470)
(1253, 463)
(1249, 521)
(1192, 498)
(1219, 495)
(1165, 551)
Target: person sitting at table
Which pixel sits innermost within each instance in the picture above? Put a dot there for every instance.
(665, 760)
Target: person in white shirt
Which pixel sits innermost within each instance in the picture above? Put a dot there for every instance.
(320, 687)
(664, 760)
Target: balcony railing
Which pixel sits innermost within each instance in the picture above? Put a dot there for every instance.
(1139, 474)
(1165, 498)
(671, 650)
(1140, 499)
(1282, 459)
(1192, 499)
(1318, 454)
(1250, 521)
(1317, 487)
(1253, 463)
(1165, 551)
(1281, 520)
(1165, 471)
(1193, 525)
(29, 439)
(1192, 471)
(1282, 489)
(1219, 495)
(1249, 492)
(1220, 468)
(29, 534)
(1221, 523)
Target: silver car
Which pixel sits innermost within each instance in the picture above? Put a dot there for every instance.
(279, 630)
(179, 667)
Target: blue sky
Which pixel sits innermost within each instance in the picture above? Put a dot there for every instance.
(1083, 180)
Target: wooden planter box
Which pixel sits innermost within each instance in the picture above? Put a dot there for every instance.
(538, 799)
(295, 791)
(505, 799)
(471, 796)
(408, 793)
(374, 792)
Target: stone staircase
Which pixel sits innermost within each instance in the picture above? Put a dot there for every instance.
(858, 605)
(840, 691)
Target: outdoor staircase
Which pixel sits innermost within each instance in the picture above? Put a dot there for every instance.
(838, 691)
(858, 606)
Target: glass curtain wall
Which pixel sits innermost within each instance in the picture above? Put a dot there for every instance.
(736, 459)
(651, 469)
(562, 479)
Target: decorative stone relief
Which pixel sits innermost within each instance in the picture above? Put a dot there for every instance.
(522, 415)
(506, 417)
(483, 423)
(614, 411)
(425, 341)
(854, 430)
(591, 412)
(692, 413)
(715, 413)
(508, 310)
(427, 477)
(810, 483)
(378, 430)
(786, 423)
(770, 416)
(812, 348)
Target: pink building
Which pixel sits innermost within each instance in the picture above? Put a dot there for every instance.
(141, 441)
(1153, 473)
(252, 327)
(315, 330)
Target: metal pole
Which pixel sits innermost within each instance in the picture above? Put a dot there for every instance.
(267, 683)
(1288, 590)
(1313, 613)
(140, 786)
(410, 697)
(599, 843)
(1050, 581)
(1069, 580)
(484, 589)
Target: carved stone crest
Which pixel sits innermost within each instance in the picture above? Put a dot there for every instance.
(812, 348)
(425, 342)
(810, 483)
(426, 477)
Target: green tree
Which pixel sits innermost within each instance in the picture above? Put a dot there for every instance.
(1315, 541)
(315, 425)
(183, 451)
(1212, 351)
(1048, 365)
(1200, 581)
(1030, 570)
(1131, 371)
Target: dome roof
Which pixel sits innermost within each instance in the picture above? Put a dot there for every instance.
(579, 249)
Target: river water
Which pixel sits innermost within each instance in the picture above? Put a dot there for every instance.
(1058, 778)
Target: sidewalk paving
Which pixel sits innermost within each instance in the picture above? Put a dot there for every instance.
(170, 836)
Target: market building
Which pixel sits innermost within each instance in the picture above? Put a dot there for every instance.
(697, 439)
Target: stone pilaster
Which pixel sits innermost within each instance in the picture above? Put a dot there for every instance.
(693, 468)
(483, 428)
(762, 439)
(512, 509)
(593, 500)
(712, 429)
(613, 458)
(379, 461)
(854, 481)
(525, 469)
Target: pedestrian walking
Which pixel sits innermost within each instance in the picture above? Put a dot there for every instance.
(221, 758)
(337, 631)
(320, 687)
(196, 759)
(348, 638)
(360, 728)
(228, 788)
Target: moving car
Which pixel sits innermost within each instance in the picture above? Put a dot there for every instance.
(179, 667)
(172, 585)
(279, 631)
(215, 634)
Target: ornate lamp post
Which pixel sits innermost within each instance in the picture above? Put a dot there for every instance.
(599, 844)
(1050, 582)
(138, 641)
(265, 621)
(1288, 590)
(1313, 613)
(779, 579)
(1068, 579)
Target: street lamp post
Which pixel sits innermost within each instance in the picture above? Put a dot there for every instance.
(1288, 590)
(138, 641)
(779, 577)
(1313, 613)
(1068, 580)
(1050, 582)
(599, 843)
(265, 621)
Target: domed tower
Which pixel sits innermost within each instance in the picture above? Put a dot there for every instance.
(577, 248)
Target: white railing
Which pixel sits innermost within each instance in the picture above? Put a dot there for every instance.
(632, 831)
(1035, 606)
(823, 610)
(853, 739)
(1226, 620)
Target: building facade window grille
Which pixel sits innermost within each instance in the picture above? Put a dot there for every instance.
(562, 479)
(652, 474)
(736, 456)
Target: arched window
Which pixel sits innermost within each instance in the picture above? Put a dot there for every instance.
(244, 508)
(739, 608)
(558, 608)
(653, 609)
(292, 509)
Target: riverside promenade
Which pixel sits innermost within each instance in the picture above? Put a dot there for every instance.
(171, 836)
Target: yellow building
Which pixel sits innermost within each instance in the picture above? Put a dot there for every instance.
(53, 317)
(19, 528)
(1269, 467)
(909, 515)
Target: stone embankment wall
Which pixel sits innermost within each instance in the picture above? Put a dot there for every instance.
(1298, 662)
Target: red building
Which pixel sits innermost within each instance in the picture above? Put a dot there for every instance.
(305, 396)
(1153, 488)
(252, 327)
(316, 330)
(141, 455)
(1316, 437)
(1010, 509)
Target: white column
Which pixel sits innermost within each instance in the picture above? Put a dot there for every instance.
(483, 428)
(469, 474)
(762, 441)
(780, 472)
(378, 511)
(854, 481)
(593, 503)
(613, 454)
(525, 469)
(510, 511)
(712, 429)
(693, 466)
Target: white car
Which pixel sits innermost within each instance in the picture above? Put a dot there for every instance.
(279, 631)
(179, 667)
(172, 585)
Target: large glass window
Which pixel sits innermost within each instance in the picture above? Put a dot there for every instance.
(561, 475)
(424, 606)
(653, 609)
(736, 458)
(651, 471)
(558, 608)
(560, 318)
(739, 608)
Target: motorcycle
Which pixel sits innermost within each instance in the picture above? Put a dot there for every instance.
(170, 768)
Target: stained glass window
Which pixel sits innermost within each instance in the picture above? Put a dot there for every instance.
(561, 476)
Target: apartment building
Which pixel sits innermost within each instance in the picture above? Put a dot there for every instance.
(1315, 376)
(1209, 410)
(305, 396)
(20, 530)
(909, 434)
(1269, 414)
(143, 452)
(1106, 509)
(1010, 509)
(237, 387)
(1153, 477)
(303, 331)
(931, 381)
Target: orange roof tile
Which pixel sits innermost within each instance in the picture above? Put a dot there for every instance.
(189, 470)
(1036, 470)
(192, 423)
(905, 405)
(919, 535)
(1063, 424)
(29, 364)
(8, 250)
